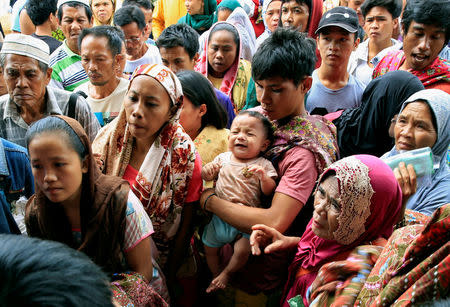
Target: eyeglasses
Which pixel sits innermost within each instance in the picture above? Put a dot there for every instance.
(133, 40)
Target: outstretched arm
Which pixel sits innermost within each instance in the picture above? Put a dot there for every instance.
(280, 215)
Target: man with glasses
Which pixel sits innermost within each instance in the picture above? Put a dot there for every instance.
(131, 20)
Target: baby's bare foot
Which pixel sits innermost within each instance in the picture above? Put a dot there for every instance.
(220, 282)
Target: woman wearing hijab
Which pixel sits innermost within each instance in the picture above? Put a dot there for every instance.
(200, 14)
(366, 129)
(77, 205)
(271, 16)
(424, 121)
(227, 70)
(357, 201)
(147, 146)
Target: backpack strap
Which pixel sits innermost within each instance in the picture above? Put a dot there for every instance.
(73, 102)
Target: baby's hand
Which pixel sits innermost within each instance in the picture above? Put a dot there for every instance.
(257, 170)
(210, 171)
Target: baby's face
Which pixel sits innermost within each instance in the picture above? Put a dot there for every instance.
(247, 137)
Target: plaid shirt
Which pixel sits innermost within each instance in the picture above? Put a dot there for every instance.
(14, 128)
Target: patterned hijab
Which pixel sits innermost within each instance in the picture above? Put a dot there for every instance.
(370, 200)
(164, 176)
(102, 213)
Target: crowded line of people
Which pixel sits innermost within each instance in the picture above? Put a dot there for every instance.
(238, 152)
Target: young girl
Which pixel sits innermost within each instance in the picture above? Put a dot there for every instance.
(242, 174)
(75, 204)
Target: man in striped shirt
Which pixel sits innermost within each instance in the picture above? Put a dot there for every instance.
(73, 17)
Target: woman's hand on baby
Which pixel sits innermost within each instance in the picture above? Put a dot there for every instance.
(266, 237)
(210, 171)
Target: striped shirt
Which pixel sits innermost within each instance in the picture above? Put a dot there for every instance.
(68, 73)
(13, 127)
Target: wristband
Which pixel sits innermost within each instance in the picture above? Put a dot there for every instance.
(206, 200)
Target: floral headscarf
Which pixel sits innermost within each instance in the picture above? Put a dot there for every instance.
(371, 201)
(164, 176)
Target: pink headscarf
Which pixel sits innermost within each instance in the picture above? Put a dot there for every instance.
(230, 75)
(370, 200)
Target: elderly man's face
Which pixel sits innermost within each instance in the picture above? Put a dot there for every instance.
(25, 81)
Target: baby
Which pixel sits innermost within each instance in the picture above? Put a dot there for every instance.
(242, 174)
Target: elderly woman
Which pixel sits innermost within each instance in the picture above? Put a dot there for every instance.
(147, 146)
(200, 14)
(103, 11)
(424, 121)
(271, 15)
(222, 64)
(357, 201)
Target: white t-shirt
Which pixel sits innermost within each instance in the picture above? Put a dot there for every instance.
(108, 108)
(152, 56)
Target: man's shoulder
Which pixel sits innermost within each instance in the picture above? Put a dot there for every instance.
(58, 55)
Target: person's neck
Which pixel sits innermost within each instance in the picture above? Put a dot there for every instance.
(72, 209)
(74, 49)
(375, 48)
(141, 147)
(32, 113)
(138, 55)
(103, 91)
(44, 29)
(214, 73)
(333, 77)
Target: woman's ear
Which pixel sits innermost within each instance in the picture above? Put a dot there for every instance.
(84, 165)
(203, 109)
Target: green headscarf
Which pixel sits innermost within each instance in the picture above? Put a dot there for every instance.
(201, 23)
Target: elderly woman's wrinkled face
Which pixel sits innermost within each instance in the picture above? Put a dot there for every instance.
(273, 15)
(222, 52)
(295, 16)
(422, 45)
(25, 80)
(414, 128)
(326, 209)
(102, 10)
(147, 107)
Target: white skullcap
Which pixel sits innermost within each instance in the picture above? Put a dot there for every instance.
(26, 45)
(61, 2)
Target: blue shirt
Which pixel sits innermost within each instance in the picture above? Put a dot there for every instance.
(16, 180)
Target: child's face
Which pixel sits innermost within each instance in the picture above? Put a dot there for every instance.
(57, 168)
(247, 137)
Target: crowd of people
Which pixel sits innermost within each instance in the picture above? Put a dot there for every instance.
(226, 153)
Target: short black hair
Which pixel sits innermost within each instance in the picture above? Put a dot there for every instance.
(39, 272)
(40, 10)
(128, 14)
(114, 36)
(288, 54)
(179, 35)
(75, 4)
(429, 12)
(145, 4)
(268, 128)
(394, 7)
(199, 90)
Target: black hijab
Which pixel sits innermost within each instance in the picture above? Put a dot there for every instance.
(365, 130)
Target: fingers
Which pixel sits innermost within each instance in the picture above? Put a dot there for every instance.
(406, 177)
(255, 238)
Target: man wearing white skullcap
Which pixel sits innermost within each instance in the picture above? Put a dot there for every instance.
(24, 61)
(73, 17)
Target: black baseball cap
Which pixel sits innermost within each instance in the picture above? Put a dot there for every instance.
(340, 16)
